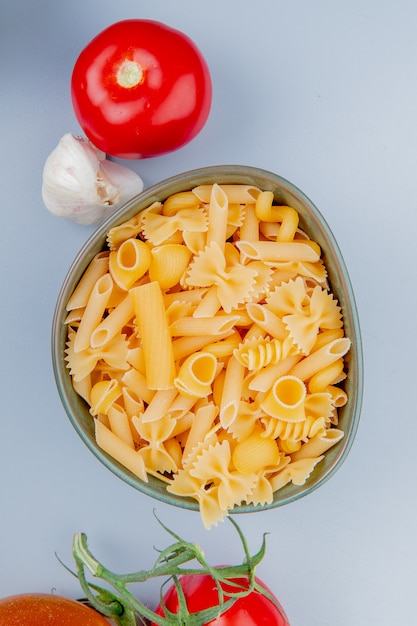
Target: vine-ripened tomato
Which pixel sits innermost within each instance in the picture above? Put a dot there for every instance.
(37, 609)
(200, 592)
(140, 89)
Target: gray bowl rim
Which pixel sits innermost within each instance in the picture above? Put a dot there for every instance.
(223, 174)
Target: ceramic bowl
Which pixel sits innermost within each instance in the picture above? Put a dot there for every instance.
(315, 225)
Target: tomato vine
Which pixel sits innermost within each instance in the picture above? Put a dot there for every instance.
(179, 560)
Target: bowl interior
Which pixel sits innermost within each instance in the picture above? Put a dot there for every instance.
(315, 225)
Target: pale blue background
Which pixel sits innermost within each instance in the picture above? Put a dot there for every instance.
(323, 93)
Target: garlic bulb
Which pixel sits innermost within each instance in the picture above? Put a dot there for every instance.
(81, 184)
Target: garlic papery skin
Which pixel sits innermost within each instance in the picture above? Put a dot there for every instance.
(82, 185)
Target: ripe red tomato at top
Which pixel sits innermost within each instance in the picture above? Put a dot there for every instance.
(37, 609)
(200, 592)
(141, 89)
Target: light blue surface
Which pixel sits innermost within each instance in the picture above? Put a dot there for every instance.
(324, 94)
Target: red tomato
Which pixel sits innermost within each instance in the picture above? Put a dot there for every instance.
(141, 88)
(38, 609)
(252, 610)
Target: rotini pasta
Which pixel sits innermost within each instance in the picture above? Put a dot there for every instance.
(210, 348)
(258, 352)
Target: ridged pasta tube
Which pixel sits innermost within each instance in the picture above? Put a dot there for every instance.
(286, 399)
(129, 262)
(196, 375)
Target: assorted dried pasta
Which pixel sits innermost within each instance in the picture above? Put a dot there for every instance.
(209, 347)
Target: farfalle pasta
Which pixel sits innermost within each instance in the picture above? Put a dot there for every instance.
(210, 348)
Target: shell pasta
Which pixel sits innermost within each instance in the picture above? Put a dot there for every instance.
(210, 348)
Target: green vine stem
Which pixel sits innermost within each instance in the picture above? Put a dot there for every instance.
(176, 560)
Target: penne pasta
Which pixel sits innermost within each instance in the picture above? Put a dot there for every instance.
(218, 214)
(94, 311)
(183, 424)
(224, 347)
(326, 376)
(320, 359)
(209, 305)
(135, 359)
(184, 346)
(153, 327)
(112, 324)
(136, 383)
(74, 317)
(201, 424)
(269, 374)
(120, 451)
(249, 231)
(194, 326)
(120, 425)
(181, 407)
(192, 296)
(275, 252)
(327, 336)
(339, 396)
(319, 444)
(236, 194)
(231, 392)
(159, 405)
(267, 320)
(95, 270)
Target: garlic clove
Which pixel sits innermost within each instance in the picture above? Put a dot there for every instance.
(81, 184)
(120, 179)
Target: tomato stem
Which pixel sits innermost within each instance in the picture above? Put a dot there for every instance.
(130, 74)
(122, 607)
